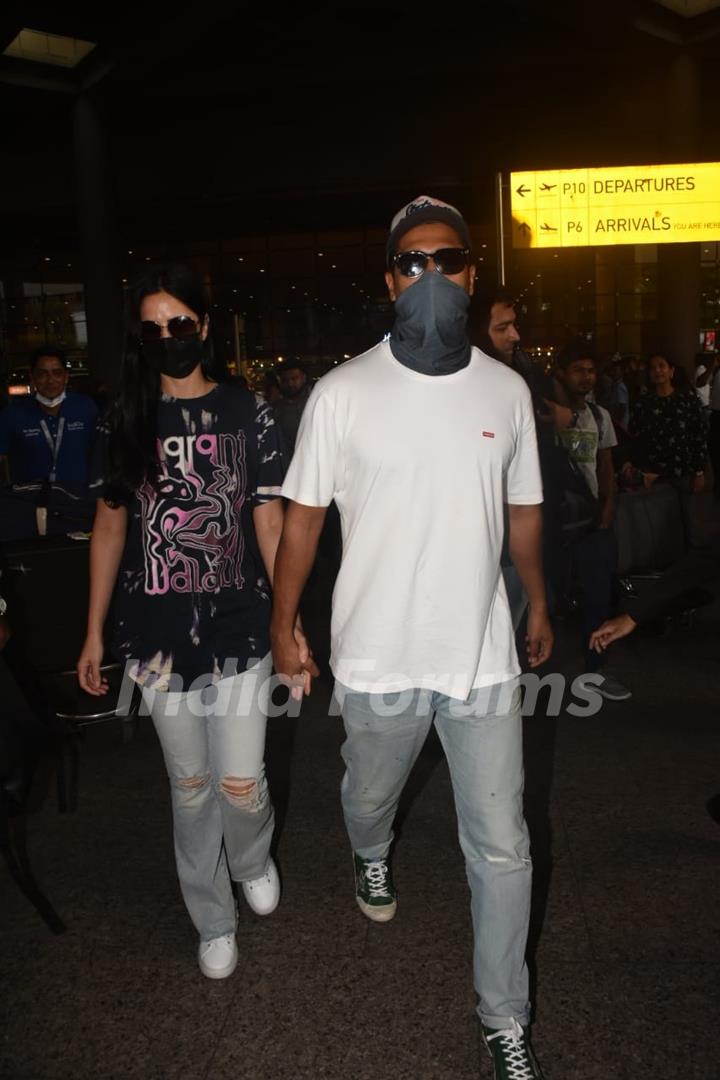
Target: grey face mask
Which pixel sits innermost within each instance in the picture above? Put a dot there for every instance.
(429, 334)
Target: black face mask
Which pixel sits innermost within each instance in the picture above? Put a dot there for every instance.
(429, 334)
(175, 357)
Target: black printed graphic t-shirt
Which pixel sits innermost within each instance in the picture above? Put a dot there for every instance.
(192, 597)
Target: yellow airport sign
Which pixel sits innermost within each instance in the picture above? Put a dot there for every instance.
(638, 204)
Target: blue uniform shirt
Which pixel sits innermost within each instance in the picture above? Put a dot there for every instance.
(30, 448)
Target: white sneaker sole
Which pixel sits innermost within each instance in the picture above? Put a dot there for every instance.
(376, 914)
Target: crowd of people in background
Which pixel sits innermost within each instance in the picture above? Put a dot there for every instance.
(661, 424)
(666, 420)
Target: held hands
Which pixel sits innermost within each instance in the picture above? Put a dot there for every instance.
(293, 661)
(88, 667)
(610, 631)
(539, 637)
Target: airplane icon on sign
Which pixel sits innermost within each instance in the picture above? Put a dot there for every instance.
(547, 187)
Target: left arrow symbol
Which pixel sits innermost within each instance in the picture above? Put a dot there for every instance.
(523, 191)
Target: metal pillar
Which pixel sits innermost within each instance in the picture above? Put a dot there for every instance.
(101, 268)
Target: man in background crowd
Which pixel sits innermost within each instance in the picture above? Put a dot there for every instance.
(47, 436)
(706, 365)
(295, 386)
(619, 396)
(590, 542)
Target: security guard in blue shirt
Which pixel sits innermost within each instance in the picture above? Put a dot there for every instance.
(47, 436)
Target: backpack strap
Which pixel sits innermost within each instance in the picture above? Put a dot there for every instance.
(598, 417)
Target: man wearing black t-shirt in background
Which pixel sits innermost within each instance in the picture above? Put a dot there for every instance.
(288, 410)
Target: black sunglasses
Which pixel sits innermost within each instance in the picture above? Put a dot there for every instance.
(181, 326)
(447, 261)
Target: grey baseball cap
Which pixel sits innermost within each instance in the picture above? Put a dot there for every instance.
(421, 210)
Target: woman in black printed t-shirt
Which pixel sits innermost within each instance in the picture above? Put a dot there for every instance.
(668, 429)
(187, 473)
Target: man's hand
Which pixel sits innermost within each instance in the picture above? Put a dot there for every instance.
(88, 667)
(649, 478)
(610, 631)
(293, 661)
(539, 637)
(5, 632)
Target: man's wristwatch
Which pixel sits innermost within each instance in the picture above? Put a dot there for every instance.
(3, 606)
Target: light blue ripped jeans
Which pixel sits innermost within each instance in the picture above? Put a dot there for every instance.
(482, 740)
(211, 738)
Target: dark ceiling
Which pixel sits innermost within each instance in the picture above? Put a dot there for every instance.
(224, 120)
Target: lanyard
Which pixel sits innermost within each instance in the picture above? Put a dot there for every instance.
(54, 445)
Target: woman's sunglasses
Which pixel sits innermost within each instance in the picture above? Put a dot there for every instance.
(447, 261)
(181, 326)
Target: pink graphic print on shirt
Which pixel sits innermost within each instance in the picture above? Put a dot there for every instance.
(191, 531)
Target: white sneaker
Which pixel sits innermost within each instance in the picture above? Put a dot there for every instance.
(263, 893)
(218, 957)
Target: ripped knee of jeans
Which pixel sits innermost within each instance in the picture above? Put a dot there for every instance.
(245, 794)
(520, 862)
(193, 783)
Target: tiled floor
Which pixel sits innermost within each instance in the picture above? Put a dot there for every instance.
(625, 941)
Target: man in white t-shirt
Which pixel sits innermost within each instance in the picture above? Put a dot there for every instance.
(588, 442)
(706, 365)
(421, 441)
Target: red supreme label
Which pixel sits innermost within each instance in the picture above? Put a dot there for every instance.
(488, 434)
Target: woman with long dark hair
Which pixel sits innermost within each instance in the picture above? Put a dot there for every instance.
(668, 430)
(189, 515)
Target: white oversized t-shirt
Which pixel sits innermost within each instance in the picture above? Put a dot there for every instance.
(419, 467)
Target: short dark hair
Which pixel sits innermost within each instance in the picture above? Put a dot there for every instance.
(47, 350)
(573, 352)
(484, 298)
(663, 354)
(291, 365)
(488, 295)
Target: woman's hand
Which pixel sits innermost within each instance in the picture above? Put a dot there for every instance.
(88, 666)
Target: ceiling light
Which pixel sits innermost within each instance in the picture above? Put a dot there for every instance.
(43, 48)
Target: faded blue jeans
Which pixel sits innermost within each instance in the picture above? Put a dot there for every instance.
(212, 738)
(482, 740)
